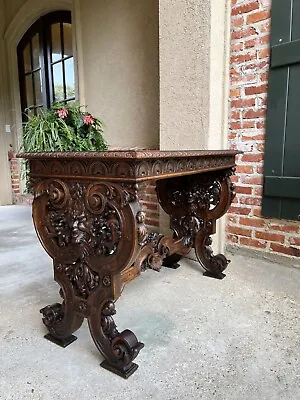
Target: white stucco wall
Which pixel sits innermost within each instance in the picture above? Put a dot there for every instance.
(118, 47)
(193, 62)
(184, 37)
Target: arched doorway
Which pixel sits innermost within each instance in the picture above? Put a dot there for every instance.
(46, 63)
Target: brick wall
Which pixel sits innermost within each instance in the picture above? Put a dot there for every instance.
(249, 64)
(15, 176)
(150, 205)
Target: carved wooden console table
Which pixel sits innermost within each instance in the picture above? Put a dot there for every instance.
(87, 215)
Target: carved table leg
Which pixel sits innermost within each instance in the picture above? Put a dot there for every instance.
(194, 204)
(93, 231)
(214, 265)
(61, 319)
(119, 349)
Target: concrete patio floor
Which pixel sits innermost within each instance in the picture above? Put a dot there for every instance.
(235, 339)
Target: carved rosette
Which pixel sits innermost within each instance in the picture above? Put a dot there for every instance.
(83, 223)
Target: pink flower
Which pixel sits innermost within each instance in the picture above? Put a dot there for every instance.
(88, 119)
(62, 113)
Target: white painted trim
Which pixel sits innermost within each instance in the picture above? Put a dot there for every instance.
(219, 90)
(78, 46)
(30, 11)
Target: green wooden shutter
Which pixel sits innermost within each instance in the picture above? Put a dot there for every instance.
(281, 198)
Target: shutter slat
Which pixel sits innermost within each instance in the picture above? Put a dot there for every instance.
(287, 187)
(285, 54)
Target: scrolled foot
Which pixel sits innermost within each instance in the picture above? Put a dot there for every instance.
(214, 265)
(119, 349)
(61, 323)
(172, 261)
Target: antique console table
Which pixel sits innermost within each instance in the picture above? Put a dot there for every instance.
(87, 215)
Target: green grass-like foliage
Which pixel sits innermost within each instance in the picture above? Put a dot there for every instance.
(65, 127)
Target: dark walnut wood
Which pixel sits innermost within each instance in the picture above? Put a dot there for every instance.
(87, 215)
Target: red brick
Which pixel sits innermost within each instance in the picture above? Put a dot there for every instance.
(232, 218)
(150, 206)
(245, 8)
(252, 114)
(241, 58)
(260, 124)
(253, 138)
(295, 241)
(244, 169)
(265, 27)
(284, 228)
(248, 124)
(235, 125)
(250, 201)
(253, 180)
(258, 191)
(252, 157)
(264, 53)
(235, 114)
(265, 39)
(256, 89)
(242, 33)
(251, 43)
(235, 93)
(257, 222)
(239, 210)
(272, 237)
(253, 243)
(243, 79)
(260, 147)
(237, 22)
(237, 230)
(257, 16)
(237, 47)
(243, 189)
(256, 211)
(232, 238)
(240, 103)
(152, 222)
(291, 251)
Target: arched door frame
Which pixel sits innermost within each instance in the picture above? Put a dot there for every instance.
(23, 19)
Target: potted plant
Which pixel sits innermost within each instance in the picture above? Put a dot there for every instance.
(65, 127)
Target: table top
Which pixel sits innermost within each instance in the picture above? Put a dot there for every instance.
(128, 165)
(130, 154)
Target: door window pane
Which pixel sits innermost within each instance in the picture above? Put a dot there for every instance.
(68, 48)
(35, 52)
(58, 82)
(46, 63)
(56, 42)
(69, 76)
(38, 87)
(29, 90)
(26, 57)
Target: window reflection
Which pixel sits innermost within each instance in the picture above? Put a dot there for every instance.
(58, 82)
(29, 90)
(35, 52)
(70, 80)
(56, 42)
(68, 49)
(38, 87)
(26, 57)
